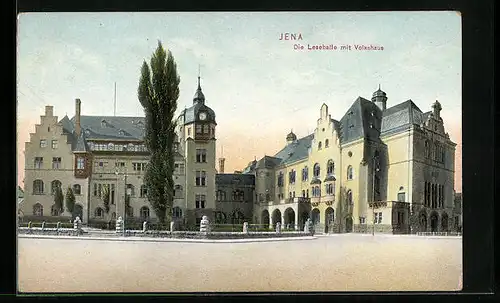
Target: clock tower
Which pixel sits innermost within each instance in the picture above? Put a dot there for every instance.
(199, 146)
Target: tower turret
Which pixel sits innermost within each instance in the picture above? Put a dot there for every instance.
(380, 98)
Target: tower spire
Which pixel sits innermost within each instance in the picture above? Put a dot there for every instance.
(199, 73)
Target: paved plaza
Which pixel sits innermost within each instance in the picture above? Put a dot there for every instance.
(329, 263)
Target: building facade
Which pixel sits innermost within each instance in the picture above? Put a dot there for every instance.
(377, 169)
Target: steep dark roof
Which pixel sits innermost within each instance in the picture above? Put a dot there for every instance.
(295, 151)
(268, 162)
(234, 179)
(401, 116)
(191, 113)
(111, 127)
(363, 119)
(81, 144)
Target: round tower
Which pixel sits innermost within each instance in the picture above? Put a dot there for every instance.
(380, 98)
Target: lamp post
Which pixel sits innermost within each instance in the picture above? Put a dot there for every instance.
(126, 192)
(375, 170)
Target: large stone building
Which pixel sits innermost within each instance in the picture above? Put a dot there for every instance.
(377, 168)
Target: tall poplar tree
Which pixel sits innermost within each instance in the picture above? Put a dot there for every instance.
(158, 93)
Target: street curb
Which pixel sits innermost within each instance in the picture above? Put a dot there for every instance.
(135, 239)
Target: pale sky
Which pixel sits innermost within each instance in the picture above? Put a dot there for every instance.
(258, 86)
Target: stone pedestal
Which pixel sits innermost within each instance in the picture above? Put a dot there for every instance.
(204, 225)
(77, 224)
(144, 226)
(172, 226)
(43, 225)
(119, 225)
(278, 228)
(245, 227)
(58, 226)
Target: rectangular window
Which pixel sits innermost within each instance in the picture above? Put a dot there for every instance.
(56, 163)
(95, 189)
(205, 129)
(362, 220)
(198, 129)
(378, 218)
(201, 155)
(201, 178)
(144, 191)
(119, 164)
(99, 192)
(38, 162)
(43, 143)
(401, 197)
(189, 131)
(80, 163)
(200, 201)
(54, 144)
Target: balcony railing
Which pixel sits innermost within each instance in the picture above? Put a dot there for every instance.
(391, 204)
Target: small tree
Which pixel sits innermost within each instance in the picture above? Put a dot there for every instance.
(59, 199)
(106, 196)
(70, 200)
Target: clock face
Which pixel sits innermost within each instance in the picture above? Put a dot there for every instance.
(203, 116)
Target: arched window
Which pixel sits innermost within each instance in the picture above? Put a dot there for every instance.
(177, 212)
(99, 212)
(305, 174)
(38, 210)
(349, 198)
(38, 187)
(280, 179)
(316, 191)
(330, 167)
(144, 212)
(401, 194)
(77, 189)
(350, 172)
(55, 185)
(220, 217)
(303, 193)
(178, 192)
(327, 143)
(54, 211)
(316, 170)
(319, 145)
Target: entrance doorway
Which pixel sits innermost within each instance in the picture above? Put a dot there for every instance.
(434, 222)
(348, 225)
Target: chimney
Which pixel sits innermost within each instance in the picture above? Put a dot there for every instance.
(221, 165)
(49, 111)
(78, 127)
